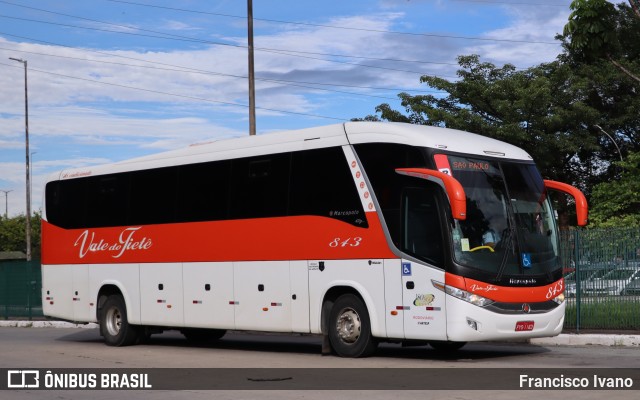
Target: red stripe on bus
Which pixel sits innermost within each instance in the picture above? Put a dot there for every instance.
(264, 239)
(506, 294)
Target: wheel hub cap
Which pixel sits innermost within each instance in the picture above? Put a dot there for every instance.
(114, 321)
(348, 325)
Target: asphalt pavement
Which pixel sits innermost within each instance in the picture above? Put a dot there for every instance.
(565, 339)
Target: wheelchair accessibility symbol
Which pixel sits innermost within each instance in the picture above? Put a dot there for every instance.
(406, 269)
(526, 260)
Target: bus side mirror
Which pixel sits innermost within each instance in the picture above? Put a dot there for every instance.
(582, 209)
(453, 188)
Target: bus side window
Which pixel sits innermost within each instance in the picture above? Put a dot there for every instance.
(153, 196)
(421, 229)
(322, 184)
(203, 193)
(380, 161)
(65, 202)
(260, 186)
(107, 198)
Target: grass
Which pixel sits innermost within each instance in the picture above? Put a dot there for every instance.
(606, 314)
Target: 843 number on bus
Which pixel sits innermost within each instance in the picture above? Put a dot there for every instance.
(346, 242)
(555, 290)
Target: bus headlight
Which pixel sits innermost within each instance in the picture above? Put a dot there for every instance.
(463, 294)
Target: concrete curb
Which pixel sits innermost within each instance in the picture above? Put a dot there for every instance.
(45, 324)
(561, 340)
(589, 340)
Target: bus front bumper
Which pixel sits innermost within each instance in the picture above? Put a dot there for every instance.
(469, 323)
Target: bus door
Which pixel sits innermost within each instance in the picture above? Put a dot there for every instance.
(424, 306)
(422, 238)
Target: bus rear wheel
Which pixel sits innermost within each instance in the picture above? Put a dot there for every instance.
(114, 324)
(350, 328)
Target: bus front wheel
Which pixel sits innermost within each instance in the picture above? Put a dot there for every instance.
(350, 328)
(114, 325)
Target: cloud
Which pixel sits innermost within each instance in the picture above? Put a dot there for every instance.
(179, 26)
(213, 75)
(90, 126)
(83, 105)
(112, 26)
(533, 24)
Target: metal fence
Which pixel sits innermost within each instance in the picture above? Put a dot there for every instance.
(20, 295)
(602, 281)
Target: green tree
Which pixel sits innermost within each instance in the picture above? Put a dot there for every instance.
(617, 202)
(13, 234)
(613, 97)
(598, 30)
(600, 38)
(539, 109)
(576, 116)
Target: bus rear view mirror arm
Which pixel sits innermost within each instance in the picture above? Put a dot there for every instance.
(582, 209)
(452, 187)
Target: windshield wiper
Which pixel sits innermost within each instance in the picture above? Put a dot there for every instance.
(508, 246)
(512, 233)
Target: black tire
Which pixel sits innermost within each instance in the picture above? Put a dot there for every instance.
(114, 323)
(350, 328)
(446, 347)
(198, 335)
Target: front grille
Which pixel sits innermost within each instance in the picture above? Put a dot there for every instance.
(518, 308)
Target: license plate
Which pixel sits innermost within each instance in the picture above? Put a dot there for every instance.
(523, 326)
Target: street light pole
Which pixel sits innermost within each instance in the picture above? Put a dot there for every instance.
(31, 177)
(28, 174)
(6, 203)
(252, 84)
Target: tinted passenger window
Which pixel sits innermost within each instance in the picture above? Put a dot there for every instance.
(107, 198)
(260, 186)
(203, 193)
(312, 182)
(380, 161)
(321, 184)
(66, 203)
(153, 196)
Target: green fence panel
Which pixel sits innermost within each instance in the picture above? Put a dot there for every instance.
(20, 295)
(602, 279)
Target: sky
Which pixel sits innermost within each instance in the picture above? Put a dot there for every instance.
(110, 80)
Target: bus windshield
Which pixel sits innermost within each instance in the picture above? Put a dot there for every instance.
(510, 228)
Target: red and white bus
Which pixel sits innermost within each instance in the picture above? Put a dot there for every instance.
(362, 232)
